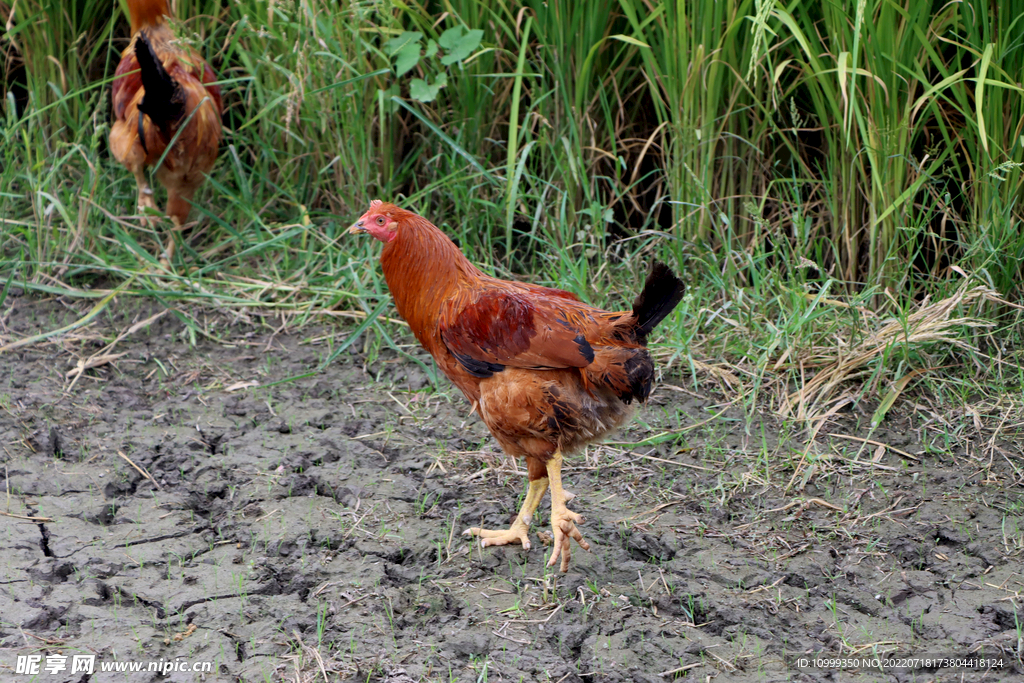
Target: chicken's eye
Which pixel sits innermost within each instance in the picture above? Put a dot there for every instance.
(380, 220)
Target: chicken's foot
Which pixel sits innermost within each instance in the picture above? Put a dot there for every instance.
(146, 200)
(518, 532)
(563, 520)
(169, 246)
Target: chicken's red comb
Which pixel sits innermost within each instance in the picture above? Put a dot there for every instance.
(375, 203)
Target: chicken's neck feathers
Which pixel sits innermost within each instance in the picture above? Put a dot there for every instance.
(147, 13)
(424, 269)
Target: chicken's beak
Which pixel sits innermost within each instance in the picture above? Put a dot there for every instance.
(357, 228)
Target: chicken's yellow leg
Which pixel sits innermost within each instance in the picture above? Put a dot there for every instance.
(518, 533)
(563, 520)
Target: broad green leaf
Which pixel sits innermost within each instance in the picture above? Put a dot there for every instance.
(421, 91)
(408, 58)
(461, 47)
(431, 48)
(395, 45)
(450, 38)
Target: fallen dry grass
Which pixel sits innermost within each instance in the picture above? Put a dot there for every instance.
(847, 360)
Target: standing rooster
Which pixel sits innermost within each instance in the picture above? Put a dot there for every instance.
(163, 89)
(548, 373)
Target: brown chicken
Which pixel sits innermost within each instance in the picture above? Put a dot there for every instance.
(547, 373)
(163, 89)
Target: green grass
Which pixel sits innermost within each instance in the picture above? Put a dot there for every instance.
(803, 165)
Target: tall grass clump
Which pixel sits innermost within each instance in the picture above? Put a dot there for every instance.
(898, 94)
(710, 120)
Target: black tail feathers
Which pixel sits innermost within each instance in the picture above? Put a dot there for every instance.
(661, 293)
(163, 101)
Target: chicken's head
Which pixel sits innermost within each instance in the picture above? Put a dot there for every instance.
(377, 221)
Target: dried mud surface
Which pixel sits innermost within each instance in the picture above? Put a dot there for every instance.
(316, 523)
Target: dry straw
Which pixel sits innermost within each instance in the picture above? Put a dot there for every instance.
(929, 324)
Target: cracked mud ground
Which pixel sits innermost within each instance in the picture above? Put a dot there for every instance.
(316, 523)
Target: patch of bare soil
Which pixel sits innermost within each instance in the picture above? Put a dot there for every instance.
(157, 509)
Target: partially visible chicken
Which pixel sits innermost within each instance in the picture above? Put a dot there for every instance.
(162, 89)
(548, 373)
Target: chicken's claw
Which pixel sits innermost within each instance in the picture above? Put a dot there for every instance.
(517, 533)
(563, 524)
